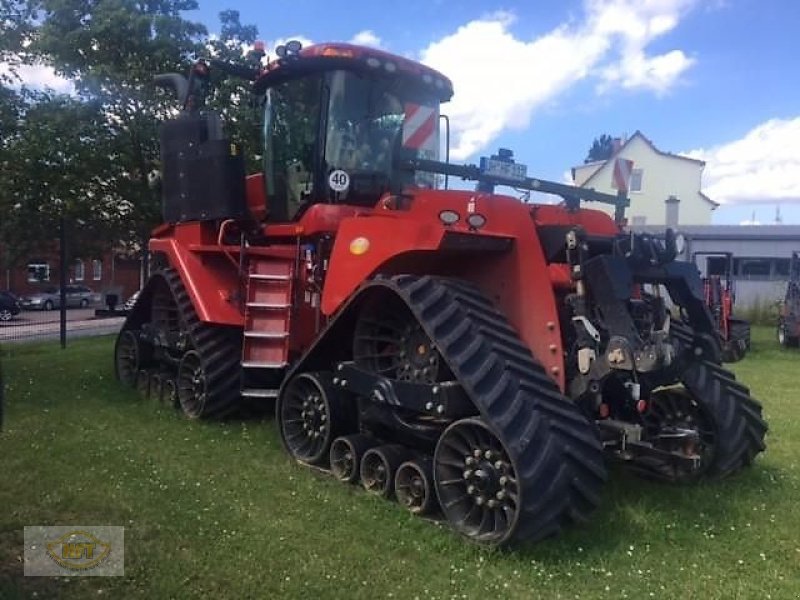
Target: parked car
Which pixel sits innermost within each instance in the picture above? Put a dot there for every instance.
(50, 298)
(9, 306)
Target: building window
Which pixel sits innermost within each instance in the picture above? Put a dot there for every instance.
(717, 265)
(38, 271)
(79, 270)
(782, 268)
(97, 269)
(636, 180)
(634, 183)
(752, 268)
(672, 213)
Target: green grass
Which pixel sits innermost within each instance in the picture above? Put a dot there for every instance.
(215, 509)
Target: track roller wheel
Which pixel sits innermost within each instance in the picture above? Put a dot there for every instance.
(378, 468)
(671, 415)
(346, 454)
(413, 485)
(389, 340)
(143, 384)
(311, 414)
(156, 385)
(169, 395)
(130, 356)
(476, 482)
(191, 385)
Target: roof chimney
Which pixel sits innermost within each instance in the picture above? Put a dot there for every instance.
(616, 144)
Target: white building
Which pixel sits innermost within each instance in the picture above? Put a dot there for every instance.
(761, 254)
(664, 188)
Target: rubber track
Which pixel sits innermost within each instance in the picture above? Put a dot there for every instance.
(737, 415)
(556, 452)
(740, 426)
(219, 350)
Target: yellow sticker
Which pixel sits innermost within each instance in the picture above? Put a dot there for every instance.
(359, 246)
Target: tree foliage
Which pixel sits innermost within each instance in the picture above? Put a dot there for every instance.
(54, 173)
(230, 96)
(602, 149)
(89, 156)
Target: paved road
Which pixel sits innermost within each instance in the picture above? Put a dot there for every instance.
(26, 317)
(45, 325)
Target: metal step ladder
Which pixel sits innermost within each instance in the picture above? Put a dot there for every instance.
(267, 319)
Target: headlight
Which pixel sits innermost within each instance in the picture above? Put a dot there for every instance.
(476, 221)
(449, 217)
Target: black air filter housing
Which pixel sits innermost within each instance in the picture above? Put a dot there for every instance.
(203, 173)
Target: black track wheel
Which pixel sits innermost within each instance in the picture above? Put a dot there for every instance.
(130, 356)
(346, 454)
(217, 347)
(740, 330)
(143, 384)
(311, 414)
(733, 415)
(207, 383)
(477, 482)
(390, 341)
(553, 448)
(733, 351)
(191, 385)
(413, 485)
(169, 394)
(156, 387)
(675, 422)
(378, 468)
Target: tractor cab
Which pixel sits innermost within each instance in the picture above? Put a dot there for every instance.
(337, 120)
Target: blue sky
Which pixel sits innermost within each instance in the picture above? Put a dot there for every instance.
(717, 78)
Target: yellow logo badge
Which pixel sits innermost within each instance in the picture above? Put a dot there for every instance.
(359, 246)
(78, 550)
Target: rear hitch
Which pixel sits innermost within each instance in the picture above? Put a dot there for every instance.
(624, 442)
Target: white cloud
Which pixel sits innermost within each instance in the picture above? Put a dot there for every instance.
(366, 37)
(636, 70)
(762, 166)
(38, 77)
(501, 80)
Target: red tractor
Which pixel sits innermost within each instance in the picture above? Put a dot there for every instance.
(789, 317)
(720, 295)
(463, 351)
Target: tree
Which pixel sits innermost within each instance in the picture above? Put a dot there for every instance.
(230, 96)
(59, 155)
(111, 50)
(602, 149)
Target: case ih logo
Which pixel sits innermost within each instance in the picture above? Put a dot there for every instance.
(419, 127)
(78, 550)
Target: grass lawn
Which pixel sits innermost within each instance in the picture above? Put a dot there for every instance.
(218, 509)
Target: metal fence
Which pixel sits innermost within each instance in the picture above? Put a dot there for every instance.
(31, 326)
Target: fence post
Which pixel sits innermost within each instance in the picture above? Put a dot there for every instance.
(63, 277)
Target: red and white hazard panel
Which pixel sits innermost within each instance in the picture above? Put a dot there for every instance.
(622, 174)
(420, 127)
